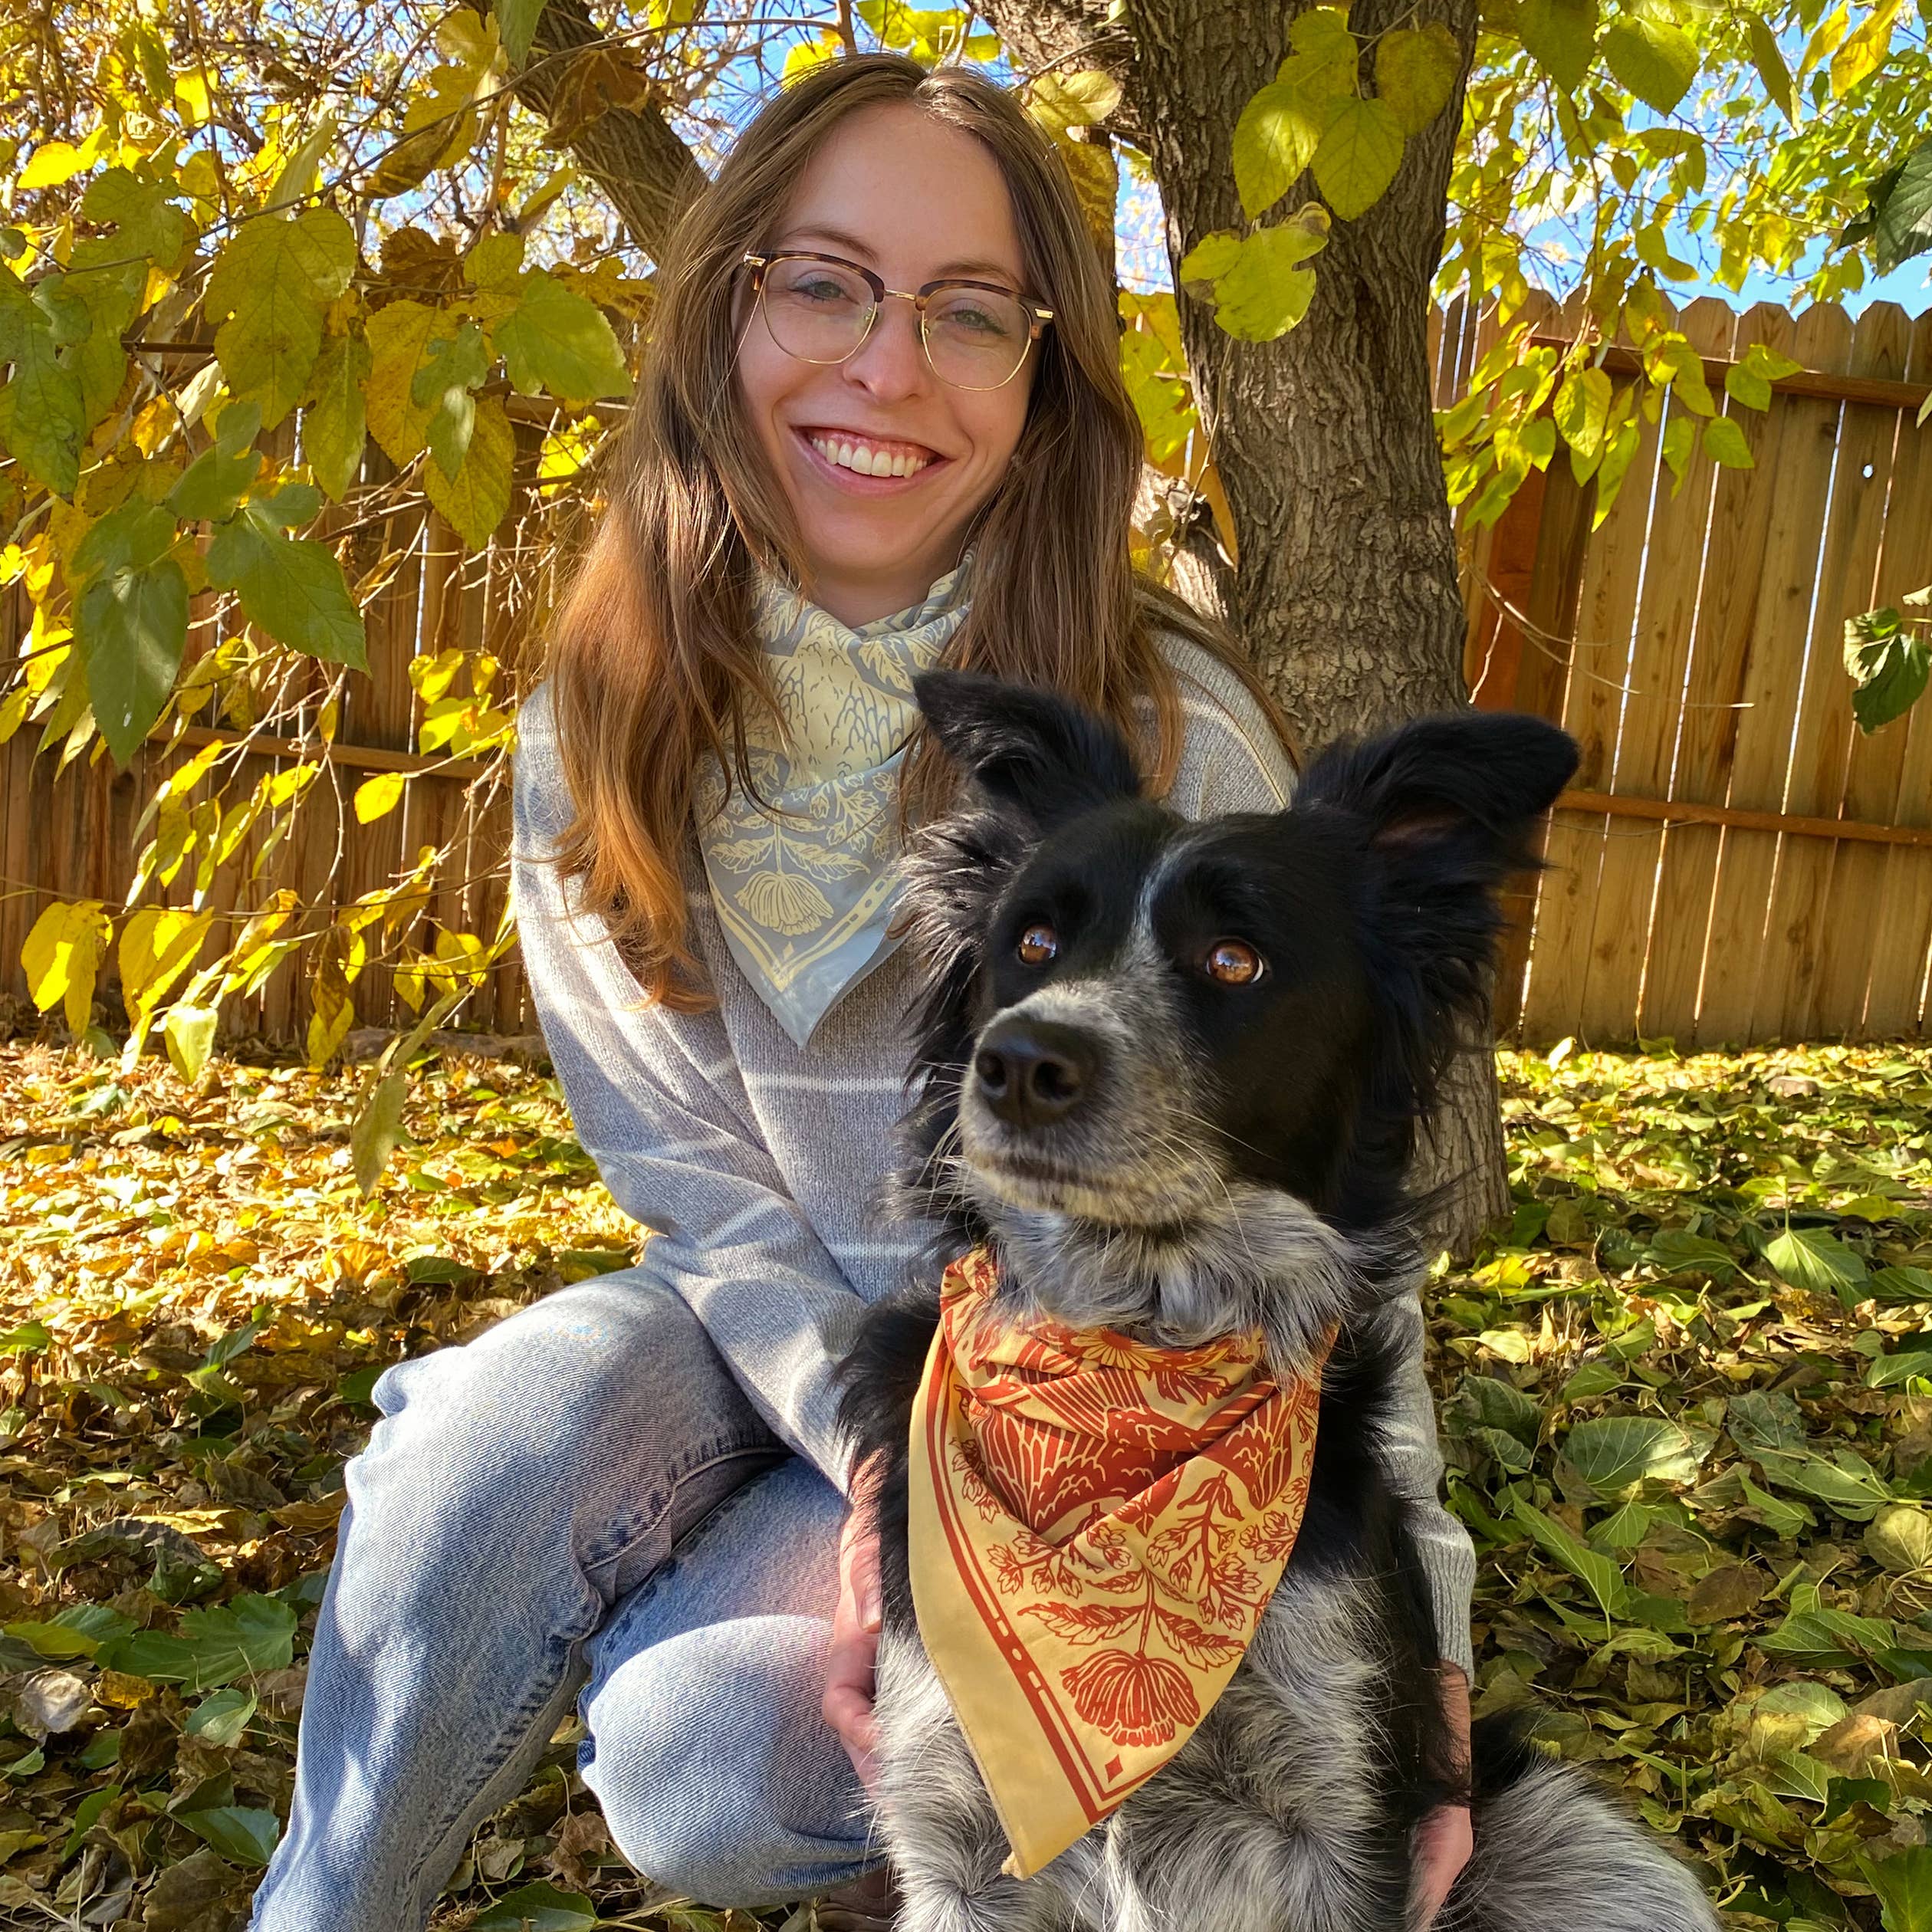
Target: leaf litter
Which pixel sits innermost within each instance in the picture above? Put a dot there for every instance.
(1687, 1402)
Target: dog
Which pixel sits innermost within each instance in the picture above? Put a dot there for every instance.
(1171, 1074)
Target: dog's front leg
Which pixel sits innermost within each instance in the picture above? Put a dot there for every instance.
(939, 1826)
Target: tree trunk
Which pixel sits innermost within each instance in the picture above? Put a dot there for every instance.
(1345, 583)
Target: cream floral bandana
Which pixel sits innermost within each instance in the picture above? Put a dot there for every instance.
(805, 895)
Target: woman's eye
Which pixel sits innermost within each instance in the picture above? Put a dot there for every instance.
(1038, 945)
(1233, 962)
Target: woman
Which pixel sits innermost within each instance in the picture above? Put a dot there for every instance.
(884, 372)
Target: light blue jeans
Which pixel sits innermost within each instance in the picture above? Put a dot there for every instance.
(584, 1490)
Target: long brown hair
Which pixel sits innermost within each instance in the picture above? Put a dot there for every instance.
(654, 661)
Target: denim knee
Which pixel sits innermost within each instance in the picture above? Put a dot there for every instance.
(576, 1419)
(716, 1772)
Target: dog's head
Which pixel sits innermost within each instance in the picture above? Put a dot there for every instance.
(1174, 1069)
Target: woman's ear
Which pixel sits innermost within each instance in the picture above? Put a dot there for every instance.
(1038, 754)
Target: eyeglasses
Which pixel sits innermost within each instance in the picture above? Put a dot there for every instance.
(820, 308)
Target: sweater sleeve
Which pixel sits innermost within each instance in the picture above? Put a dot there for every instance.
(1234, 762)
(652, 1096)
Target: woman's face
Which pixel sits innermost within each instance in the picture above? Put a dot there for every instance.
(914, 201)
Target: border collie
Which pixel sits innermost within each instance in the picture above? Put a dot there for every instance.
(1171, 1074)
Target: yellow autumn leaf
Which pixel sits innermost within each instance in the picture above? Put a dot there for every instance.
(376, 796)
(157, 945)
(477, 498)
(62, 955)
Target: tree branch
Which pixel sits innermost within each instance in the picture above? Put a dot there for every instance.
(630, 152)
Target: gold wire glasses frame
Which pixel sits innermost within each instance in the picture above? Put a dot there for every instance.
(828, 326)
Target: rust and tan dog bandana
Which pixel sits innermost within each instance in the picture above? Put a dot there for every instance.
(1096, 1527)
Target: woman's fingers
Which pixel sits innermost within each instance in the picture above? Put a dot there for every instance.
(847, 1702)
(1444, 1842)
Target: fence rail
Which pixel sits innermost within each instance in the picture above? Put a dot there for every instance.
(1735, 863)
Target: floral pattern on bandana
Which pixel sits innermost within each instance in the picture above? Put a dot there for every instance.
(804, 894)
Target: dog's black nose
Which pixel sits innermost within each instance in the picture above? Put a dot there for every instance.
(1034, 1072)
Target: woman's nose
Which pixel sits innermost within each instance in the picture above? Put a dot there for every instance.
(892, 362)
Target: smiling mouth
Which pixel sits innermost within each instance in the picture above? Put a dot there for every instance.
(876, 458)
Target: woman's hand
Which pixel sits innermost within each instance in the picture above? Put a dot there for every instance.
(847, 1704)
(1443, 1840)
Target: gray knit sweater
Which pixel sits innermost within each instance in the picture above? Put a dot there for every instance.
(756, 1162)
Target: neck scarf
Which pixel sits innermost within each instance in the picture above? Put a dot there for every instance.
(805, 894)
(1096, 1527)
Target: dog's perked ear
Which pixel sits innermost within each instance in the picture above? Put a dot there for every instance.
(1027, 749)
(1445, 807)
(1459, 793)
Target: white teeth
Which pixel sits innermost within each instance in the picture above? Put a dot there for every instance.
(863, 460)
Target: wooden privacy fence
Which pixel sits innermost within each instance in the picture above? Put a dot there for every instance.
(1735, 863)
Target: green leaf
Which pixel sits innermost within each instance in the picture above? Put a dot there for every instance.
(378, 1127)
(1416, 72)
(43, 414)
(221, 1717)
(555, 338)
(246, 1637)
(1769, 59)
(1904, 1884)
(1655, 60)
(1764, 1419)
(1677, 1251)
(87, 1815)
(30, 1338)
(1360, 150)
(1888, 662)
(132, 627)
(1724, 442)
(1827, 1639)
(1904, 227)
(1275, 139)
(1889, 1370)
(477, 498)
(516, 23)
(294, 588)
(1601, 1577)
(1324, 63)
(1484, 1401)
(538, 1908)
(267, 290)
(1263, 290)
(1899, 1539)
(451, 371)
(335, 424)
(1613, 1456)
(1809, 1258)
(1561, 37)
(244, 1838)
(1847, 1483)
(213, 485)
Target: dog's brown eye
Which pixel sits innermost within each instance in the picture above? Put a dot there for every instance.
(1233, 962)
(1038, 944)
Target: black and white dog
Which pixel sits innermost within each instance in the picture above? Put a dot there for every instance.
(1172, 1072)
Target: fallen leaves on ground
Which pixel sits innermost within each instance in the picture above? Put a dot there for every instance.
(1686, 1401)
